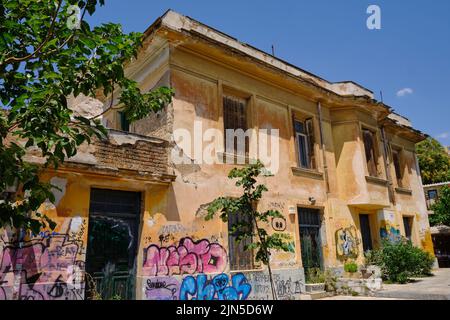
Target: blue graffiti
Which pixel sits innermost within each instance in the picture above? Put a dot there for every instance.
(218, 288)
(391, 234)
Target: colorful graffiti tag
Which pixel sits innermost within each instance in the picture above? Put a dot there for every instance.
(218, 288)
(198, 287)
(188, 257)
(347, 243)
(42, 268)
(162, 288)
(390, 233)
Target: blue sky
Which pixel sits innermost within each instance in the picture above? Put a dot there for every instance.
(330, 38)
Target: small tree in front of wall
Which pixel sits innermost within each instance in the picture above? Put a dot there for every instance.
(251, 226)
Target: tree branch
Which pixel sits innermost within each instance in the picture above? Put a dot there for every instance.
(47, 38)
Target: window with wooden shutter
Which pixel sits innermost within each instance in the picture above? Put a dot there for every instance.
(304, 138)
(234, 117)
(240, 259)
(310, 132)
(397, 166)
(370, 151)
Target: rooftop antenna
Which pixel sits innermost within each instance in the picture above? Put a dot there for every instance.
(273, 50)
(381, 96)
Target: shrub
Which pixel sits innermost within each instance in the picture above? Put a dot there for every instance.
(350, 267)
(400, 260)
(315, 275)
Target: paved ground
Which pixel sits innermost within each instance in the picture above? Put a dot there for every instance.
(436, 287)
(430, 288)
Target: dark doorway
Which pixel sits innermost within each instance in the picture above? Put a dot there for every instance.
(311, 244)
(441, 243)
(112, 243)
(364, 223)
(407, 222)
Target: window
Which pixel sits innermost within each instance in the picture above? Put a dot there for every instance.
(397, 165)
(304, 137)
(235, 117)
(371, 152)
(432, 194)
(123, 122)
(407, 222)
(240, 259)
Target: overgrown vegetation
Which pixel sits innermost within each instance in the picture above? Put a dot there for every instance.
(441, 208)
(48, 52)
(314, 275)
(250, 228)
(399, 261)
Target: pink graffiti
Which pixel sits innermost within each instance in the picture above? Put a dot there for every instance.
(188, 257)
(43, 268)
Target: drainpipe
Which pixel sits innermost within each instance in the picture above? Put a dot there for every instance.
(325, 167)
(386, 166)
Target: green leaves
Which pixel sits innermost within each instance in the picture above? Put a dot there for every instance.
(245, 205)
(43, 61)
(441, 208)
(434, 161)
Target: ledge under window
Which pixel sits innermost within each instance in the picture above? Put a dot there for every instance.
(297, 171)
(377, 180)
(403, 191)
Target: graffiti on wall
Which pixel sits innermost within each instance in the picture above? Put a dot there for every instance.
(44, 267)
(162, 288)
(288, 284)
(188, 257)
(198, 287)
(253, 285)
(388, 232)
(347, 243)
(220, 287)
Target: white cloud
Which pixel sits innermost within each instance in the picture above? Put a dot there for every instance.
(405, 91)
(443, 135)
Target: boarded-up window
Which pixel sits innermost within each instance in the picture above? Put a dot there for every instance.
(397, 165)
(240, 259)
(304, 136)
(235, 117)
(371, 154)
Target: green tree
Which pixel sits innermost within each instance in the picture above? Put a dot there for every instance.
(441, 209)
(246, 205)
(48, 52)
(434, 161)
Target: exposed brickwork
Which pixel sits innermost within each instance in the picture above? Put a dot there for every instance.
(143, 156)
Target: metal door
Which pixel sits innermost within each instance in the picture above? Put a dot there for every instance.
(112, 243)
(310, 241)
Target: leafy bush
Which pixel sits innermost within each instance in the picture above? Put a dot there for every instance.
(315, 275)
(330, 280)
(400, 260)
(350, 267)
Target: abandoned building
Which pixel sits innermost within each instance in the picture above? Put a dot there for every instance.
(133, 218)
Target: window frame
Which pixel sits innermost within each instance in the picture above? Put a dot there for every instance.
(245, 100)
(308, 145)
(236, 250)
(398, 175)
(375, 149)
